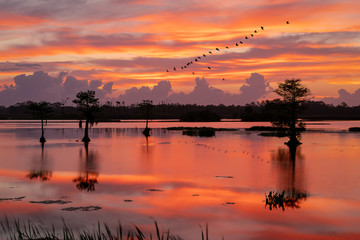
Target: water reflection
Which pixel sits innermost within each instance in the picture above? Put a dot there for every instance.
(88, 170)
(289, 163)
(40, 170)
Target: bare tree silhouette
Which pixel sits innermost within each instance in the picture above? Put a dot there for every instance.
(88, 104)
(146, 106)
(42, 110)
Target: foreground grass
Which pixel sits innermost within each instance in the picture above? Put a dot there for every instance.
(15, 230)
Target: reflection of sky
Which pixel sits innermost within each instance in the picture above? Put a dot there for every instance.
(183, 166)
(6, 125)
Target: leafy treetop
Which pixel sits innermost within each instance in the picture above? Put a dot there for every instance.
(87, 102)
(293, 91)
(40, 109)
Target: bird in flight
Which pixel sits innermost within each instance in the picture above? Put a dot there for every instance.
(217, 49)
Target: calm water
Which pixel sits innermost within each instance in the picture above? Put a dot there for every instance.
(182, 181)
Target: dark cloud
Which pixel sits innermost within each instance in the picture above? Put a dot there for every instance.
(29, 65)
(254, 88)
(41, 86)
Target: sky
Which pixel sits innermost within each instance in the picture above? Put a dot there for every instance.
(127, 50)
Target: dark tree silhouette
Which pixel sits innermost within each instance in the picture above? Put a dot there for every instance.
(146, 106)
(293, 94)
(41, 110)
(88, 104)
(89, 174)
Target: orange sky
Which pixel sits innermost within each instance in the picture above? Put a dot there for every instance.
(133, 43)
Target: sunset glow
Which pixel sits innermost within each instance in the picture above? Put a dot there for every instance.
(132, 44)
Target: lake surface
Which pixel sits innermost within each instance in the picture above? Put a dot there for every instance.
(184, 182)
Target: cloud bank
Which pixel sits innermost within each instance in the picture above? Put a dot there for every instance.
(351, 99)
(254, 88)
(42, 87)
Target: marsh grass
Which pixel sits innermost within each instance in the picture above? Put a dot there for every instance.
(16, 230)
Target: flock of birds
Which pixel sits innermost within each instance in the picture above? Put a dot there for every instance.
(197, 59)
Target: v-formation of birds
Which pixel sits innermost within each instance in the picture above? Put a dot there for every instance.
(216, 49)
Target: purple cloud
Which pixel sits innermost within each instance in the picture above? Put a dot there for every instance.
(42, 87)
(254, 88)
(351, 99)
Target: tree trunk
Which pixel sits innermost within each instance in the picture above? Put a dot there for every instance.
(42, 138)
(146, 131)
(293, 139)
(86, 138)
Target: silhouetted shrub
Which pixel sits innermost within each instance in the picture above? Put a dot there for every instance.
(354, 129)
(201, 132)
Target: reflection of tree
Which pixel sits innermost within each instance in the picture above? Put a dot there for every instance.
(40, 173)
(89, 173)
(291, 174)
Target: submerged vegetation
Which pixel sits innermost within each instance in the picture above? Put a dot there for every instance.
(272, 131)
(199, 131)
(354, 129)
(15, 230)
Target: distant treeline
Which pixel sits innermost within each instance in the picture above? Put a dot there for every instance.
(260, 111)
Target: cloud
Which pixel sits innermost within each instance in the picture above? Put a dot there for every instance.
(351, 99)
(40, 86)
(158, 94)
(254, 88)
